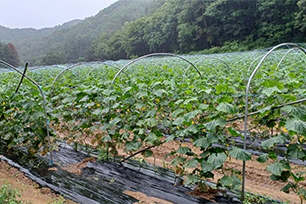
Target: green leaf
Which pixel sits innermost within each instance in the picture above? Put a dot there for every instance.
(263, 110)
(278, 167)
(295, 151)
(269, 91)
(151, 122)
(280, 139)
(193, 163)
(213, 124)
(217, 160)
(296, 125)
(160, 92)
(97, 112)
(226, 108)
(202, 142)
(179, 121)
(194, 99)
(141, 94)
(132, 146)
(191, 179)
(177, 112)
(234, 132)
(287, 187)
(203, 106)
(263, 158)
(170, 138)
(232, 182)
(206, 167)
(192, 114)
(183, 150)
(152, 139)
(285, 175)
(240, 154)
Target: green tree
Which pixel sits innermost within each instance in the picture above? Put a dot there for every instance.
(230, 20)
(192, 26)
(277, 21)
(300, 16)
(54, 58)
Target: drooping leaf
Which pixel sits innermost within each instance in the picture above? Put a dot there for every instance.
(192, 114)
(295, 151)
(232, 182)
(269, 91)
(280, 139)
(240, 154)
(296, 125)
(287, 187)
(217, 160)
(226, 108)
(193, 163)
(263, 158)
(183, 150)
(278, 167)
(179, 121)
(177, 112)
(263, 110)
(201, 142)
(191, 179)
(213, 124)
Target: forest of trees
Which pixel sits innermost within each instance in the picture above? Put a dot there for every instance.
(182, 26)
(9, 54)
(131, 28)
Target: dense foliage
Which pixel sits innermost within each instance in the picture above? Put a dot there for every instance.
(156, 101)
(183, 26)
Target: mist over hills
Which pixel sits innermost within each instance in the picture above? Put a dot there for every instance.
(74, 38)
(131, 28)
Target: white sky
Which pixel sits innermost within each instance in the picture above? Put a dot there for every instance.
(47, 13)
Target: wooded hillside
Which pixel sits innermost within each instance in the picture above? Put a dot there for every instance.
(130, 28)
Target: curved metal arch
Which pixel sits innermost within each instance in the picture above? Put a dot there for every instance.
(215, 58)
(59, 74)
(254, 62)
(93, 68)
(44, 103)
(285, 55)
(247, 100)
(151, 55)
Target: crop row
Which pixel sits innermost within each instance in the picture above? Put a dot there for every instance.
(155, 101)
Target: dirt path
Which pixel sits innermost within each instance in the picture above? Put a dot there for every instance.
(28, 190)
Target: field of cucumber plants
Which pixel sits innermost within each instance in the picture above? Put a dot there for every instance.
(197, 101)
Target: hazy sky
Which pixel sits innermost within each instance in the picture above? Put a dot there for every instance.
(47, 13)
